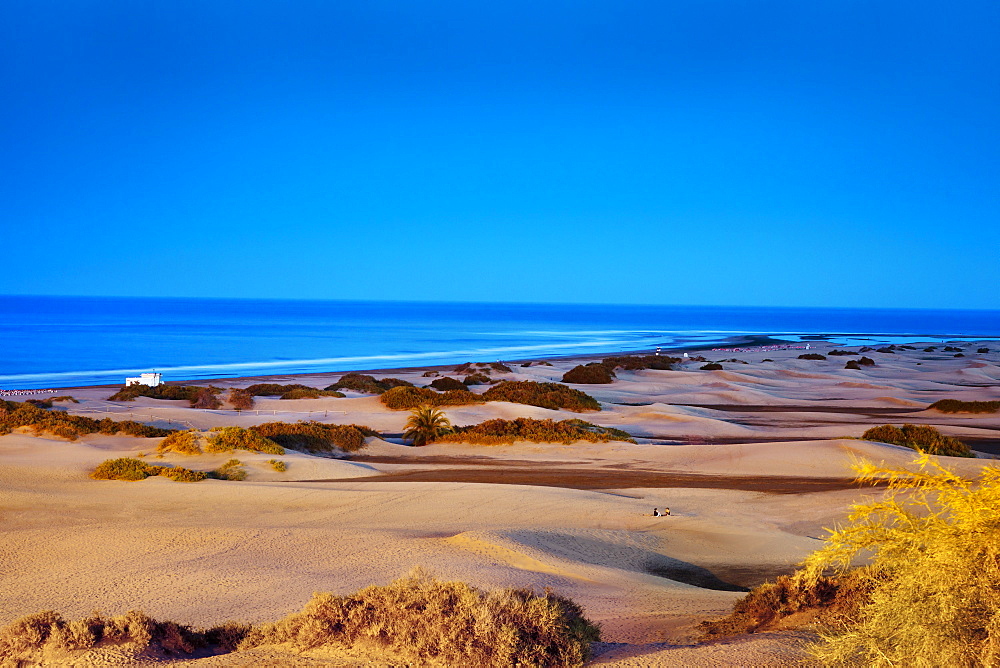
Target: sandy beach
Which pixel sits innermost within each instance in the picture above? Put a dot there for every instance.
(753, 461)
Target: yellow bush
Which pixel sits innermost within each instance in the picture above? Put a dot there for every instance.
(934, 569)
(184, 442)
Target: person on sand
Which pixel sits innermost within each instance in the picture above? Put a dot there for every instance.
(656, 513)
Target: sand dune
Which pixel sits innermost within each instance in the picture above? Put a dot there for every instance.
(256, 550)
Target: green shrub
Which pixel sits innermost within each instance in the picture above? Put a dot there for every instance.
(919, 437)
(426, 424)
(310, 393)
(711, 366)
(181, 474)
(544, 395)
(124, 468)
(446, 383)
(421, 620)
(594, 373)
(183, 442)
(315, 436)
(274, 389)
(498, 432)
(812, 356)
(278, 465)
(231, 470)
(641, 362)
(227, 439)
(956, 406)
(360, 382)
(407, 398)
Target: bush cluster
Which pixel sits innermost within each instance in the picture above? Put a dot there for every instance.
(711, 366)
(545, 395)
(537, 363)
(241, 400)
(477, 379)
(278, 465)
(315, 436)
(498, 432)
(421, 620)
(640, 362)
(128, 468)
(446, 383)
(853, 364)
(812, 356)
(310, 393)
(186, 442)
(227, 439)
(31, 640)
(360, 382)
(482, 367)
(923, 438)
(406, 398)
(231, 470)
(842, 352)
(978, 350)
(14, 414)
(198, 396)
(595, 373)
(952, 349)
(956, 406)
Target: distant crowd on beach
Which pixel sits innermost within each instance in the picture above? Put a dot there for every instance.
(758, 349)
(17, 393)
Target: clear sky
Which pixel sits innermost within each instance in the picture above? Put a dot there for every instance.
(801, 153)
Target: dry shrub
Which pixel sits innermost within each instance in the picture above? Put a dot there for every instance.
(194, 394)
(278, 465)
(181, 474)
(310, 393)
(206, 399)
(315, 436)
(922, 438)
(408, 398)
(545, 395)
(241, 400)
(594, 373)
(40, 420)
(830, 599)
(32, 639)
(183, 442)
(498, 432)
(227, 439)
(956, 406)
(64, 397)
(231, 470)
(422, 619)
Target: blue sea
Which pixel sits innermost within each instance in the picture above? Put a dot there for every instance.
(73, 341)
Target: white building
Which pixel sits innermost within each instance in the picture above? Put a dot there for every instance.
(150, 379)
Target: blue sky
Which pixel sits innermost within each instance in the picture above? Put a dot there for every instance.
(740, 153)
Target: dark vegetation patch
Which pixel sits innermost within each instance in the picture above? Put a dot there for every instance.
(360, 382)
(538, 363)
(545, 395)
(952, 349)
(735, 361)
(956, 406)
(978, 350)
(14, 414)
(315, 436)
(853, 364)
(483, 367)
(405, 398)
(826, 599)
(866, 349)
(241, 400)
(498, 432)
(959, 355)
(478, 379)
(866, 361)
(196, 395)
(930, 349)
(595, 373)
(310, 393)
(923, 438)
(812, 356)
(446, 383)
(837, 353)
(640, 362)
(711, 366)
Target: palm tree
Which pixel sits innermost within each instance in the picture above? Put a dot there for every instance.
(425, 424)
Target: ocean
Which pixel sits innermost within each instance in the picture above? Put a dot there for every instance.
(73, 341)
